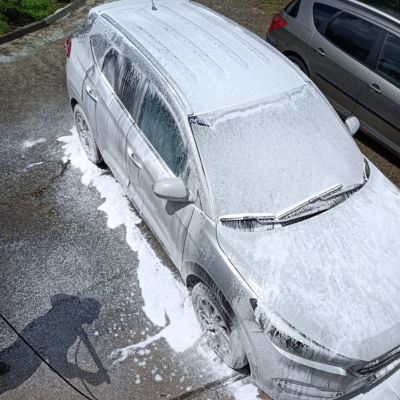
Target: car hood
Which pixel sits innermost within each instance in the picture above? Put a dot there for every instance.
(334, 277)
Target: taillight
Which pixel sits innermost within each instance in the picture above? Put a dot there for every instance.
(277, 22)
(67, 46)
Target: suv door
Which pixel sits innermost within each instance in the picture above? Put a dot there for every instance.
(379, 104)
(341, 51)
(161, 153)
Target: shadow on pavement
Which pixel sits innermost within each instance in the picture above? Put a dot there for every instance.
(51, 335)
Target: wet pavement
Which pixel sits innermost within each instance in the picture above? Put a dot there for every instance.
(68, 283)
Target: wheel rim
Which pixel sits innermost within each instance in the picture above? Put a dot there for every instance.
(214, 327)
(85, 135)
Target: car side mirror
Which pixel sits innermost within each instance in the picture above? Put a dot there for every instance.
(352, 124)
(172, 189)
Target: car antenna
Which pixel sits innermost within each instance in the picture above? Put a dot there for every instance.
(153, 7)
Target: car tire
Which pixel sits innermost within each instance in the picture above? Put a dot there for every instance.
(86, 136)
(296, 61)
(221, 330)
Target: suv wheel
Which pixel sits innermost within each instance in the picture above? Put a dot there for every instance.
(221, 332)
(86, 136)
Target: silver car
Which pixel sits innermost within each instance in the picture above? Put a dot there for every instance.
(351, 50)
(285, 234)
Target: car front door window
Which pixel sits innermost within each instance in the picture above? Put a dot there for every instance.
(160, 128)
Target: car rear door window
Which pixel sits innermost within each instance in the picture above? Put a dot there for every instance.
(292, 8)
(160, 128)
(322, 13)
(128, 83)
(353, 35)
(122, 76)
(389, 62)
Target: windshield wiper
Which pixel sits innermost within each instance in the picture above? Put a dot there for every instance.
(251, 220)
(312, 206)
(321, 196)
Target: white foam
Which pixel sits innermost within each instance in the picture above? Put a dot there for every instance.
(33, 142)
(166, 301)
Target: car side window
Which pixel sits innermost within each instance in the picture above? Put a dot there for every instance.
(128, 83)
(160, 128)
(292, 8)
(322, 13)
(110, 67)
(122, 76)
(353, 35)
(389, 62)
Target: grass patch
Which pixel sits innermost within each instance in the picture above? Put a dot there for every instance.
(16, 13)
(272, 6)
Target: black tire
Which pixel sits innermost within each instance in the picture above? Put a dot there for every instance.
(86, 136)
(231, 349)
(296, 61)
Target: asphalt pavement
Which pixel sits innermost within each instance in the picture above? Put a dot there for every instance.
(68, 283)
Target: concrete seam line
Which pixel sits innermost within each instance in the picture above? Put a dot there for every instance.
(43, 23)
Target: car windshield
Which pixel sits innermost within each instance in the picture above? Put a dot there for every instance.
(266, 158)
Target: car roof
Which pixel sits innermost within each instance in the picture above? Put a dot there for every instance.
(212, 62)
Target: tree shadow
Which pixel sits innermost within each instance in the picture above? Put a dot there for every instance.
(51, 335)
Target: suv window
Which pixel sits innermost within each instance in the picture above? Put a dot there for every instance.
(353, 35)
(159, 126)
(122, 76)
(322, 13)
(389, 63)
(292, 8)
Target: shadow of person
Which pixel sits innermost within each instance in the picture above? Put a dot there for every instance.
(51, 335)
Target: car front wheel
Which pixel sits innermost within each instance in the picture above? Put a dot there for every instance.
(221, 331)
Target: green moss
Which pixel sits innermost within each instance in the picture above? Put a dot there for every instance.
(4, 27)
(15, 13)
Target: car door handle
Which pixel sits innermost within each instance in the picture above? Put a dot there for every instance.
(133, 157)
(375, 88)
(91, 93)
(320, 51)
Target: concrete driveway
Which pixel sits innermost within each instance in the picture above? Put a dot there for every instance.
(88, 288)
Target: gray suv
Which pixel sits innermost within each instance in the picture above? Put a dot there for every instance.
(351, 50)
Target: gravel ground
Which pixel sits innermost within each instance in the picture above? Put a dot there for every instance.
(54, 240)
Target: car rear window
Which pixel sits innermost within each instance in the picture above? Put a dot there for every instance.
(353, 35)
(292, 8)
(322, 13)
(389, 63)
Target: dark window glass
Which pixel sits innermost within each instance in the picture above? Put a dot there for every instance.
(122, 76)
(389, 63)
(353, 35)
(293, 8)
(160, 128)
(322, 14)
(110, 67)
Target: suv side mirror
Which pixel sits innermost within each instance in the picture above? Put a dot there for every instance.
(172, 189)
(352, 124)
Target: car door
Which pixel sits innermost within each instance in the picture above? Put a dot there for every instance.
(379, 104)
(160, 153)
(340, 54)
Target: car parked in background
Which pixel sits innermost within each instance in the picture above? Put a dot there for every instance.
(351, 50)
(286, 236)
